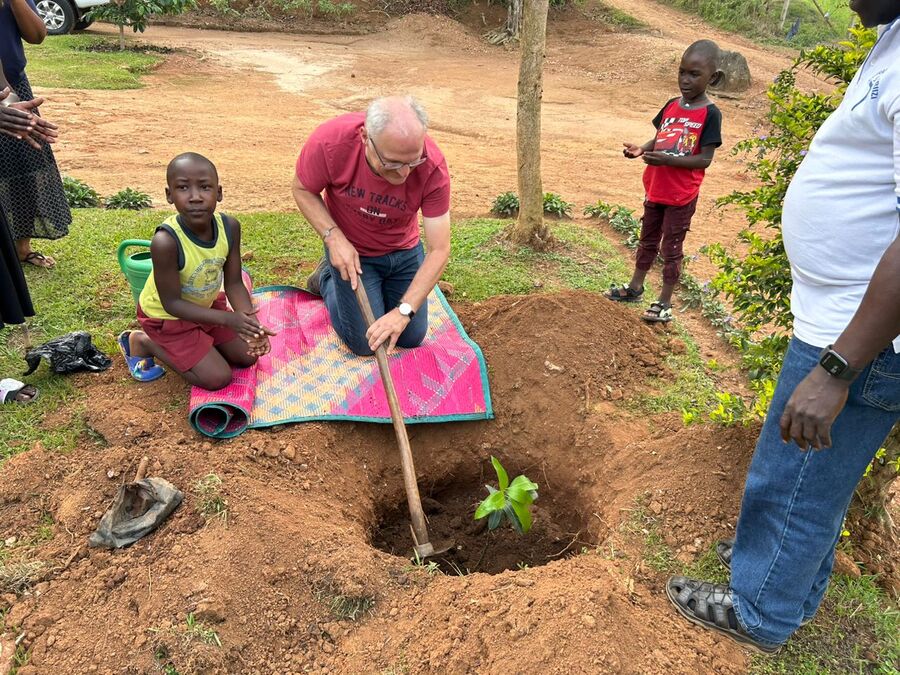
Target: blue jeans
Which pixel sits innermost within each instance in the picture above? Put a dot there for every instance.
(386, 278)
(795, 502)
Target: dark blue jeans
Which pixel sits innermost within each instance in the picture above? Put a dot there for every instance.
(386, 279)
(795, 502)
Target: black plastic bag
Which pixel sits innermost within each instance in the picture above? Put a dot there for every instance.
(68, 354)
(138, 509)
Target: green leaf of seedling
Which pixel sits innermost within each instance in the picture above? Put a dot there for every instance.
(495, 519)
(502, 476)
(493, 503)
(524, 483)
(520, 495)
(491, 489)
(513, 519)
(523, 516)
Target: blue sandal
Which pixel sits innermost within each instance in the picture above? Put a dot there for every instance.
(142, 368)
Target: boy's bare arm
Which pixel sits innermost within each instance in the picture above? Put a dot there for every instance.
(239, 296)
(701, 161)
(633, 151)
(237, 293)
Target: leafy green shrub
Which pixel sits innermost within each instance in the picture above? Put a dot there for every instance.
(621, 220)
(224, 8)
(130, 199)
(79, 194)
(510, 502)
(505, 204)
(557, 206)
(334, 9)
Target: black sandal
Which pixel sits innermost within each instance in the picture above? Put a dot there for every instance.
(723, 552)
(624, 293)
(712, 606)
(658, 312)
(38, 259)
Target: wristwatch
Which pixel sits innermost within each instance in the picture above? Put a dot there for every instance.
(328, 231)
(406, 310)
(836, 365)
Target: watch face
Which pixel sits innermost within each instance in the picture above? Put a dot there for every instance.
(833, 363)
(405, 308)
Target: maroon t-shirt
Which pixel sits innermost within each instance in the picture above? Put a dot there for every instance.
(375, 216)
(682, 132)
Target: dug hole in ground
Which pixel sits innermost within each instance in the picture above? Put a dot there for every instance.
(311, 573)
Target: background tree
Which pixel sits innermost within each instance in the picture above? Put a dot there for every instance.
(137, 13)
(530, 229)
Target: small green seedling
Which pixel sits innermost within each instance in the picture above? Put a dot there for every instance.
(511, 501)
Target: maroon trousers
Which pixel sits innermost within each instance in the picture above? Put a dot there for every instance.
(663, 230)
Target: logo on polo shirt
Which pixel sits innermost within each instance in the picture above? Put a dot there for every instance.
(872, 93)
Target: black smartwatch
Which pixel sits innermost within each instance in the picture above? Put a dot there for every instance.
(836, 365)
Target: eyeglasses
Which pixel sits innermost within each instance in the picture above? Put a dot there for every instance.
(396, 166)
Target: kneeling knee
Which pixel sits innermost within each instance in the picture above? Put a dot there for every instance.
(360, 348)
(216, 381)
(413, 337)
(245, 361)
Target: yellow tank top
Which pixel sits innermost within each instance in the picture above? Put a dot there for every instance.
(200, 264)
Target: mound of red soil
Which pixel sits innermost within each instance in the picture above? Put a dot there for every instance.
(293, 582)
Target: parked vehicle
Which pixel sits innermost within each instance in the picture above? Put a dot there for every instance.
(64, 16)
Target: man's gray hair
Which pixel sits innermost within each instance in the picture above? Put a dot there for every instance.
(379, 114)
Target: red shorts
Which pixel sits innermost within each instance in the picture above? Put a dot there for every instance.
(185, 342)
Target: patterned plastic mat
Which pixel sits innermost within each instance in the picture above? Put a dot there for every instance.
(311, 375)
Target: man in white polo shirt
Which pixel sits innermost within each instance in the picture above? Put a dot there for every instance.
(838, 394)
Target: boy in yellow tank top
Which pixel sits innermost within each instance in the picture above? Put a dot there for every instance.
(185, 320)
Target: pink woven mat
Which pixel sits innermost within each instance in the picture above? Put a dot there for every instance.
(311, 375)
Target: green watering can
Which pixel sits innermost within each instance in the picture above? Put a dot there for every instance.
(137, 266)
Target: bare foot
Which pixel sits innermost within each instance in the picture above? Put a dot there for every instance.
(137, 343)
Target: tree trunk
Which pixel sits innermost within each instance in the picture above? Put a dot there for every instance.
(784, 13)
(530, 228)
(514, 19)
(873, 492)
(510, 32)
(121, 37)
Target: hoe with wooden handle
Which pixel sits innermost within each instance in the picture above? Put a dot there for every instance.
(421, 543)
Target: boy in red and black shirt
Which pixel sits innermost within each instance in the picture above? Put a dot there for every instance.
(689, 129)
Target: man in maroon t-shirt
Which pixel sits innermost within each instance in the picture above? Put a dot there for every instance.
(377, 171)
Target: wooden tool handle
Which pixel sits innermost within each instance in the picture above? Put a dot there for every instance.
(419, 528)
(141, 472)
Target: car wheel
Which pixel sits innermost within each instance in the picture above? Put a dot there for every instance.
(57, 15)
(83, 22)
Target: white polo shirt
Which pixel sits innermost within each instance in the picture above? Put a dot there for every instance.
(841, 209)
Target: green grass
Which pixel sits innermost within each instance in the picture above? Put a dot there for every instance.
(211, 504)
(692, 387)
(87, 291)
(759, 19)
(857, 630)
(74, 62)
(611, 16)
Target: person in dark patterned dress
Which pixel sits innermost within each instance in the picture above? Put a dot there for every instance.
(20, 126)
(31, 192)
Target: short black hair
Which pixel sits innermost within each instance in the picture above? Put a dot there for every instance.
(706, 49)
(191, 157)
